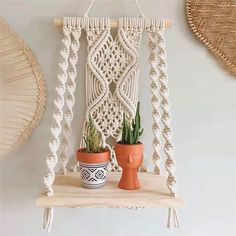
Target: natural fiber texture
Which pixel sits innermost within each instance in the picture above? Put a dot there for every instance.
(161, 102)
(112, 74)
(214, 23)
(70, 98)
(156, 129)
(23, 90)
(112, 64)
(67, 66)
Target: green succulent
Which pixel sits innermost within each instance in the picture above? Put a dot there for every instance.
(93, 139)
(131, 131)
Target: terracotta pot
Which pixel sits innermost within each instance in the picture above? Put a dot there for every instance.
(93, 168)
(129, 158)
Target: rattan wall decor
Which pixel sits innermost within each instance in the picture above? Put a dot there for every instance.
(213, 22)
(23, 90)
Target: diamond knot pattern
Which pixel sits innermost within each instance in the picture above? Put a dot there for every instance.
(112, 78)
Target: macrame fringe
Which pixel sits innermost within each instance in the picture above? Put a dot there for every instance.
(172, 219)
(48, 218)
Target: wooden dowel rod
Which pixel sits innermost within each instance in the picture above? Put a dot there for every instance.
(58, 22)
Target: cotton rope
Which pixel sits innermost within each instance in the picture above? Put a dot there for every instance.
(172, 218)
(136, 3)
(112, 63)
(152, 46)
(160, 99)
(58, 114)
(48, 218)
(165, 108)
(71, 86)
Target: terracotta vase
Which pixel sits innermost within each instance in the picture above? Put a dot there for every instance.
(129, 158)
(93, 168)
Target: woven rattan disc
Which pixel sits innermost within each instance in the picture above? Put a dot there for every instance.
(214, 23)
(23, 90)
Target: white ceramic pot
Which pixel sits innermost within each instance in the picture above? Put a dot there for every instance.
(93, 175)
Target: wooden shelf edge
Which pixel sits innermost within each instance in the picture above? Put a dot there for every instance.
(69, 193)
(177, 203)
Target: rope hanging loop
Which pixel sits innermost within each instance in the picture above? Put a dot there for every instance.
(135, 1)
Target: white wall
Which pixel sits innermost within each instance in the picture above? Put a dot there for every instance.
(204, 114)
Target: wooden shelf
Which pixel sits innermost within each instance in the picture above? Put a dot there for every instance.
(68, 192)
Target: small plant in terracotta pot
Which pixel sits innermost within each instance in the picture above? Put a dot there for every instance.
(129, 152)
(93, 159)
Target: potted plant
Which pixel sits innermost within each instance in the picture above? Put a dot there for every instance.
(129, 152)
(93, 159)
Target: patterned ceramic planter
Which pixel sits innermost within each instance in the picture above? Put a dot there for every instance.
(93, 168)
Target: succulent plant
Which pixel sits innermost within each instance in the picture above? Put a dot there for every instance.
(93, 139)
(131, 131)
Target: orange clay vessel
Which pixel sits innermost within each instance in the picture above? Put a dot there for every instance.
(129, 158)
(91, 157)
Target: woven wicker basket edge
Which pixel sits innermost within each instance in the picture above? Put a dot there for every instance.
(224, 61)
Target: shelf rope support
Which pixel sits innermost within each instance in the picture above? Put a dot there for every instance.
(172, 219)
(71, 86)
(165, 108)
(152, 45)
(48, 218)
(56, 128)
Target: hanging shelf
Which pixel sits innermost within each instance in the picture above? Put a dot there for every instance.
(64, 189)
(68, 192)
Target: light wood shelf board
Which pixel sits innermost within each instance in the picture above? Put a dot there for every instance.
(68, 192)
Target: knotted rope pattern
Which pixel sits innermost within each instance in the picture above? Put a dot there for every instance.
(69, 26)
(71, 86)
(160, 100)
(112, 73)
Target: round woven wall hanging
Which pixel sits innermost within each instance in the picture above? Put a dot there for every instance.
(23, 90)
(214, 23)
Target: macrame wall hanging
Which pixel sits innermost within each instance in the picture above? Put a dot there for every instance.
(112, 63)
(112, 74)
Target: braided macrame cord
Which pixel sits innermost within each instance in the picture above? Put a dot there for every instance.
(161, 108)
(165, 107)
(160, 100)
(71, 86)
(153, 61)
(56, 127)
(59, 102)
